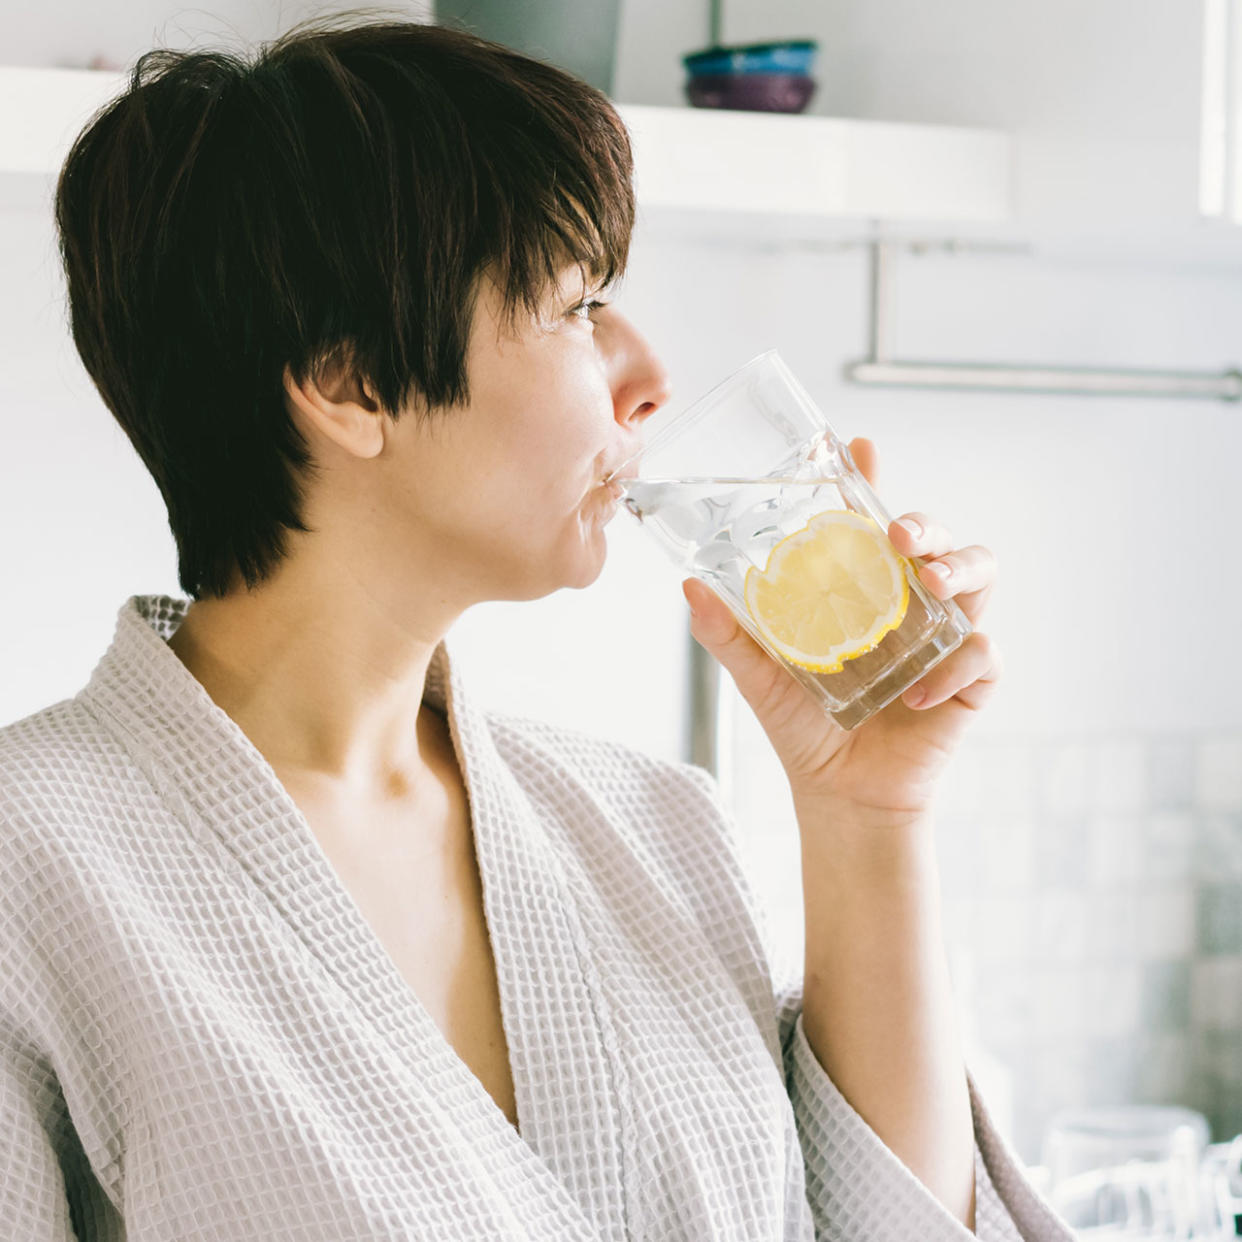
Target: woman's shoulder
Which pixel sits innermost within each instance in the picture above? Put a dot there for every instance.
(59, 769)
(668, 814)
(595, 758)
(653, 802)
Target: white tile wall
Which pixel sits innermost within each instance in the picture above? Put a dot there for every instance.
(1120, 776)
(1166, 923)
(1113, 855)
(1067, 778)
(1063, 926)
(1169, 846)
(1216, 994)
(1006, 853)
(1218, 776)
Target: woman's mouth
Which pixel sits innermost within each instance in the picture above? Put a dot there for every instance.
(609, 500)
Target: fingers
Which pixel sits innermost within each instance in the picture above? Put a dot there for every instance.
(915, 534)
(969, 675)
(714, 626)
(959, 572)
(973, 603)
(965, 575)
(760, 679)
(865, 457)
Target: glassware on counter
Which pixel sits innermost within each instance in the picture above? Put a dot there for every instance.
(1220, 1191)
(1129, 1172)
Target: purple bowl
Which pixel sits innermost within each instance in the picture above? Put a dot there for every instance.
(751, 92)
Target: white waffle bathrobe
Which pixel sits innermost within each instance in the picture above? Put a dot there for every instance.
(202, 1039)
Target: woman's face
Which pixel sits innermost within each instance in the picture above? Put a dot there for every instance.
(505, 496)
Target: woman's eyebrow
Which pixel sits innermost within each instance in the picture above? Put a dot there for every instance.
(601, 285)
(570, 285)
(576, 284)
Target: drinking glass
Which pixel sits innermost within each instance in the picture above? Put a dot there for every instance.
(750, 490)
(1127, 1172)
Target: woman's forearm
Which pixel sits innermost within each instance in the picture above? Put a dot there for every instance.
(878, 1007)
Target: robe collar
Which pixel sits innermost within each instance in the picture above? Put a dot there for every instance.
(211, 775)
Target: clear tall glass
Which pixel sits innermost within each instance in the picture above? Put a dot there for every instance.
(751, 491)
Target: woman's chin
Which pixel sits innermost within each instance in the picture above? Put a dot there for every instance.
(590, 564)
(589, 553)
(580, 563)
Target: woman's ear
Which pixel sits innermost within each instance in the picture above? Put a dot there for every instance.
(335, 402)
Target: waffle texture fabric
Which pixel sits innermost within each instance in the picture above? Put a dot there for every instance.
(202, 1039)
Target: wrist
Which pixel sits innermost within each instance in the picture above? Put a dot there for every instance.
(861, 845)
(849, 819)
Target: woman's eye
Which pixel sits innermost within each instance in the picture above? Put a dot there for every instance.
(583, 309)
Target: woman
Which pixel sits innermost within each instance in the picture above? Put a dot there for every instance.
(298, 941)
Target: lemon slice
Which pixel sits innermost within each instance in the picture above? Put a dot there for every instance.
(829, 591)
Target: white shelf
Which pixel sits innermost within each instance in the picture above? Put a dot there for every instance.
(685, 158)
(764, 179)
(699, 159)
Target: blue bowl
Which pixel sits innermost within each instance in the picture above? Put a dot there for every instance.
(789, 56)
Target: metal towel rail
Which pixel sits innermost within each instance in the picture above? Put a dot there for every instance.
(882, 369)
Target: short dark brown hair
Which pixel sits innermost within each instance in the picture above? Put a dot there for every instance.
(335, 199)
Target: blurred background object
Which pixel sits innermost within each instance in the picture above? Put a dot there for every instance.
(577, 35)
(1129, 1172)
(759, 77)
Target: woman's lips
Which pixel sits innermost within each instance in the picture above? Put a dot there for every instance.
(612, 485)
(628, 469)
(609, 500)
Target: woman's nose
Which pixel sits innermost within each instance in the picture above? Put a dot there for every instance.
(641, 383)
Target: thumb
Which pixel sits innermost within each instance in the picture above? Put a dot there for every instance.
(711, 621)
(715, 627)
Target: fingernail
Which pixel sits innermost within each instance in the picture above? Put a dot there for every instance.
(915, 528)
(941, 570)
(914, 696)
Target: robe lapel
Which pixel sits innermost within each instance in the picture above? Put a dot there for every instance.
(561, 1046)
(549, 1005)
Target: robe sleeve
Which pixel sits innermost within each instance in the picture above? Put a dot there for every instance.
(33, 1203)
(857, 1189)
